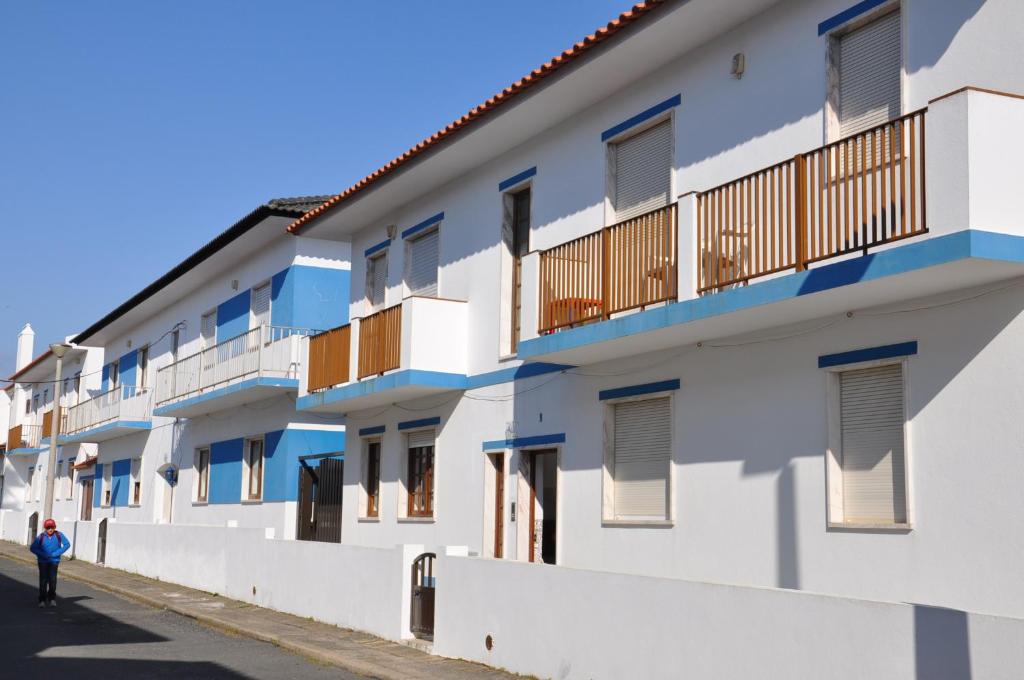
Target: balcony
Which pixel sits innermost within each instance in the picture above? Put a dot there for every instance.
(258, 364)
(413, 349)
(25, 438)
(121, 411)
(852, 223)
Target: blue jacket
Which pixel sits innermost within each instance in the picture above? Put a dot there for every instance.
(48, 549)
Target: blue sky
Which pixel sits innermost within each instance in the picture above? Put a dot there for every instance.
(132, 132)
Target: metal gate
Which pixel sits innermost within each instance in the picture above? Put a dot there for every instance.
(33, 527)
(421, 618)
(320, 495)
(101, 543)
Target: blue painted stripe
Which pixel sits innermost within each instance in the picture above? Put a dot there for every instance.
(847, 14)
(422, 422)
(429, 222)
(520, 442)
(641, 117)
(380, 246)
(928, 252)
(856, 356)
(634, 390)
(516, 179)
(376, 429)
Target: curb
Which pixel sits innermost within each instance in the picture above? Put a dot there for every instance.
(313, 653)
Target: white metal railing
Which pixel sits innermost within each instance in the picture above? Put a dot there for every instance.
(28, 435)
(271, 351)
(124, 402)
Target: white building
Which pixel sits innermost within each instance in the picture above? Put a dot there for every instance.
(727, 293)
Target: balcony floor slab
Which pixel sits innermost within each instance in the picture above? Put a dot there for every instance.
(394, 387)
(927, 267)
(101, 433)
(27, 450)
(228, 396)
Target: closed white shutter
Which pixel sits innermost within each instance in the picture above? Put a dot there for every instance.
(873, 465)
(643, 449)
(869, 75)
(643, 172)
(208, 329)
(421, 438)
(376, 280)
(421, 271)
(261, 305)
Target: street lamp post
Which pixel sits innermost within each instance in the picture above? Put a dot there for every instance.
(59, 350)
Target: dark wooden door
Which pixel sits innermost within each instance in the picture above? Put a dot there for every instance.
(499, 505)
(87, 491)
(421, 617)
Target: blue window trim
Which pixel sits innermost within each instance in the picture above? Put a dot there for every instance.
(641, 117)
(422, 422)
(516, 179)
(856, 356)
(416, 228)
(635, 390)
(366, 431)
(380, 246)
(520, 442)
(848, 14)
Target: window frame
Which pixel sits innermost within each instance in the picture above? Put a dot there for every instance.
(376, 259)
(113, 375)
(106, 490)
(609, 518)
(834, 508)
(201, 487)
(611, 161)
(204, 342)
(408, 502)
(252, 302)
(142, 367)
(135, 475)
(407, 267)
(247, 472)
(69, 492)
(369, 478)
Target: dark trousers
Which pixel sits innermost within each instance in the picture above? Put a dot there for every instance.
(47, 581)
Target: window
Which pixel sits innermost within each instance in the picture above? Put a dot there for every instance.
(78, 386)
(641, 171)
(202, 468)
(870, 70)
(143, 361)
(107, 469)
(69, 479)
(376, 280)
(136, 481)
(421, 474)
(261, 305)
(113, 374)
(639, 459)
(28, 406)
(35, 403)
(67, 383)
(421, 264)
(372, 479)
(518, 239)
(254, 469)
(208, 329)
(30, 488)
(867, 461)
(175, 343)
(46, 396)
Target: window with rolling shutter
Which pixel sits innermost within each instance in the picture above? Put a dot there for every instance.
(641, 457)
(261, 305)
(420, 474)
(421, 265)
(642, 170)
(376, 280)
(870, 66)
(208, 329)
(872, 456)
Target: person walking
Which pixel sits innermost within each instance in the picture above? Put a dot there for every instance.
(48, 547)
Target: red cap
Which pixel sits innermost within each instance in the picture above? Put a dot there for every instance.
(47, 524)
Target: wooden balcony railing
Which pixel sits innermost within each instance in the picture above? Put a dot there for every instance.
(626, 266)
(859, 192)
(329, 358)
(48, 422)
(26, 435)
(14, 438)
(380, 338)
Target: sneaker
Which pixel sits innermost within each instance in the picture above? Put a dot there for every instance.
(42, 604)
(53, 603)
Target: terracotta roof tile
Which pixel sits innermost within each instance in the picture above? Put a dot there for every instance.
(580, 48)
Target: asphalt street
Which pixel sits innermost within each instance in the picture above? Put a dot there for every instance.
(93, 634)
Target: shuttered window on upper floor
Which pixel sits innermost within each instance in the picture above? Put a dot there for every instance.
(642, 453)
(376, 280)
(422, 263)
(261, 305)
(870, 66)
(208, 329)
(642, 172)
(872, 457)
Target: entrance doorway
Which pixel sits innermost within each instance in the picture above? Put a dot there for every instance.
(421, 616)
(101, 542)
(321, 483)
(498, 462)
(87, 490)
(543, 510)
(33, 527)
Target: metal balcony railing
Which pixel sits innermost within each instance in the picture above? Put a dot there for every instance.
(125, 402)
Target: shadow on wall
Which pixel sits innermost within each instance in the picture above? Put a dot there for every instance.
(941, 644)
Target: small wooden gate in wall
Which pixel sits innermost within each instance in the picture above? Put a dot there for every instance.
(101, 543)
(33, 526)
(320, 495)
(421, 618)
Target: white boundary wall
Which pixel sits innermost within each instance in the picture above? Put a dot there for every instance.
(566, 623)
(348, 586)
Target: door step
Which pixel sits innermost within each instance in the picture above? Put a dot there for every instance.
(420, 644)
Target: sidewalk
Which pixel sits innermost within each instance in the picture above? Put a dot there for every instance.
(353, 651)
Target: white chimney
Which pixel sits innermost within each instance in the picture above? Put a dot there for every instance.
(26, 338)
